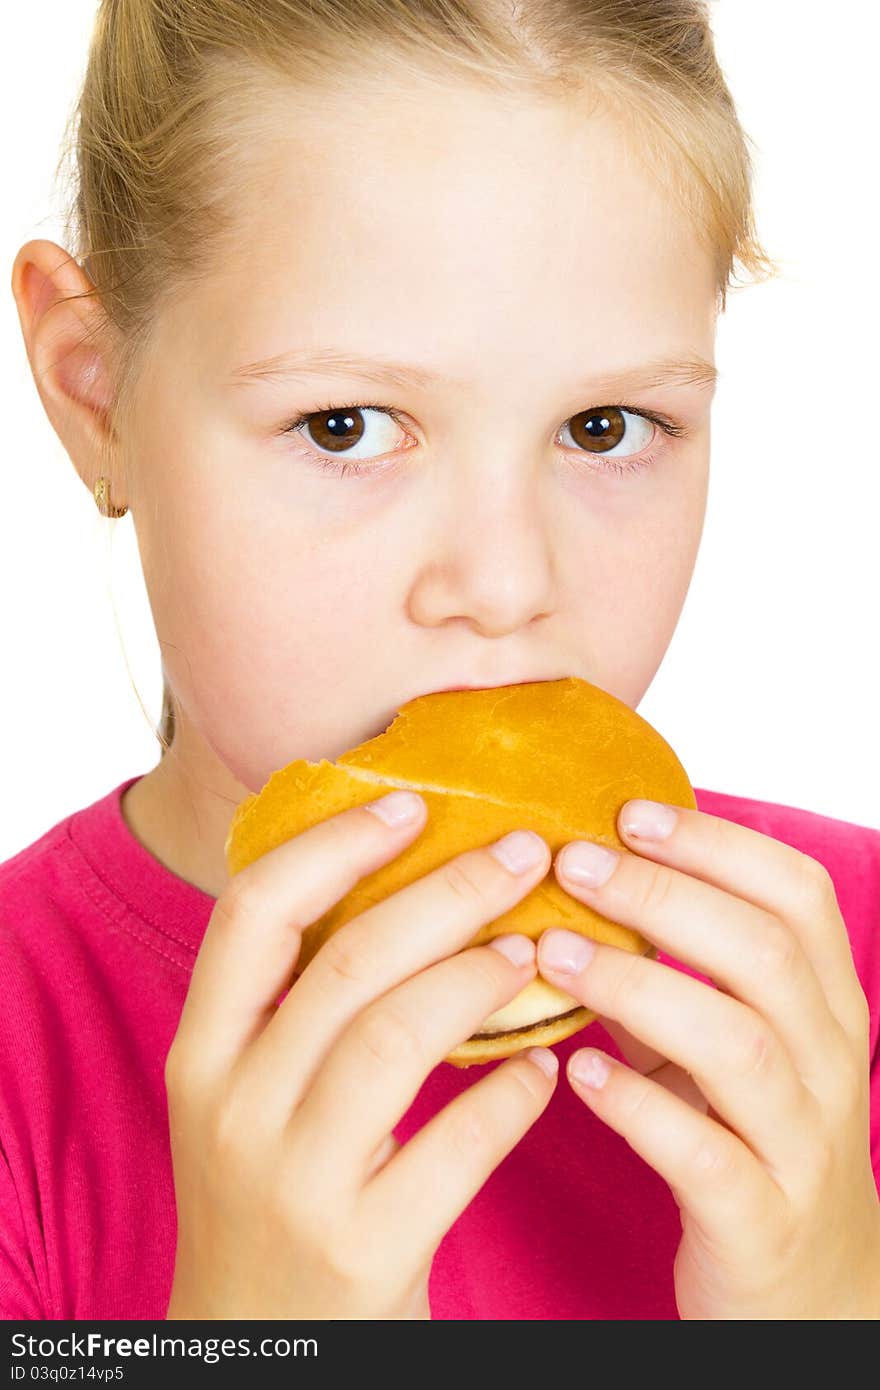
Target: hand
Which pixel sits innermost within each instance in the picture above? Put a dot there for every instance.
(294, 1198)
(750, 1099)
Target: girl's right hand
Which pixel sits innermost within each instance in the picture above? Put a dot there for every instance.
(294, 1199)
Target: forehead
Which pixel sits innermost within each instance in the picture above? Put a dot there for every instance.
(461, 222)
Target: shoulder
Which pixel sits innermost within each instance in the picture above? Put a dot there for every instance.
(29, 883)
(34, 871)
(45, 910)
(40, 984)
(37, 958)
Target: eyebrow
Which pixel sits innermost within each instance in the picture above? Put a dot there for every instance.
(688, 370)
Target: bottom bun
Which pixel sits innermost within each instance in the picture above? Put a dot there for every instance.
(539, 1015)
(486, 1047)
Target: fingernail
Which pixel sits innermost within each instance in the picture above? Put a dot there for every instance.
(565, 951)
(519, 949)
(520, 850)
(397, 808)
(586, 863)
(589, 1069)
(649, 820)
(545, 1060)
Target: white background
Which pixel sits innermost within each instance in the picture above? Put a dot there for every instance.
(769, 688)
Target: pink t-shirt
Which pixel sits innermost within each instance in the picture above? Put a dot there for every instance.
(97, 942)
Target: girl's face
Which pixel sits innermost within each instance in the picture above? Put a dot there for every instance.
(525, 276)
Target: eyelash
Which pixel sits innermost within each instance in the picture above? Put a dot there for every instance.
(342, 467)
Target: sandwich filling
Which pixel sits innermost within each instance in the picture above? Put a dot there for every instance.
(515, 1032)
(538, 1003)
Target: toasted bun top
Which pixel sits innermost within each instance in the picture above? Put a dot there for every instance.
(558, 757)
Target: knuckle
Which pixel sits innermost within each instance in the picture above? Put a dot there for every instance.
(776, 950)
(626, 986)
(713, 1158)
(470, 1131)
(751, 1050)
(347, 956)
(524, 1082)
(480, 1127)
(654, 889)
(716, 833)
(340, 827)
(490, 969)
(462, 877)
(240, 900)
(637, 1101)
(819, 890)
(389, 1036)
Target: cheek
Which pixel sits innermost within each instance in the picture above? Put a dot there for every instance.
(636, 560)
(638, 535)
(267, 638)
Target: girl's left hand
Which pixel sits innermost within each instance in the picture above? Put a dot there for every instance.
(750, 1099)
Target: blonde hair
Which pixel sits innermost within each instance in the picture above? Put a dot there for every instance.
(173, 107)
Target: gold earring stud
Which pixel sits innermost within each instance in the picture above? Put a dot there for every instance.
(102, 498)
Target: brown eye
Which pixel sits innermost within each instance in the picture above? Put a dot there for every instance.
(340, 430)
(336, 429)
(602, 428)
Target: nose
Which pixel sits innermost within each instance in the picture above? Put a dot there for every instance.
(491, 552)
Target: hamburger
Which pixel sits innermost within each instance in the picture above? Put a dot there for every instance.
(558, 757)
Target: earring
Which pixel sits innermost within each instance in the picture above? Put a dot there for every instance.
(102, 497)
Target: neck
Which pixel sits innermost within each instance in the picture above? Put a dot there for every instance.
(181, 816)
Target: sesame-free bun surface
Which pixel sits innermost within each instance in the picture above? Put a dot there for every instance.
(557, 757)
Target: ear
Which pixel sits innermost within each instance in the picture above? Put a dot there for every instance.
(66, 340)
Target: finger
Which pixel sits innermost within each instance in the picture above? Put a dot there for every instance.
(431, 918)
(753, 955)
(639, 1055)
(372, 1074)
(773, 876)
(389, 1146)
(735, 1056)
(711, 1172)
(650, 1062)
(253, 937)
(443, 1166)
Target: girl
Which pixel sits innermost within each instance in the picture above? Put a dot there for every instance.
(393, 327)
